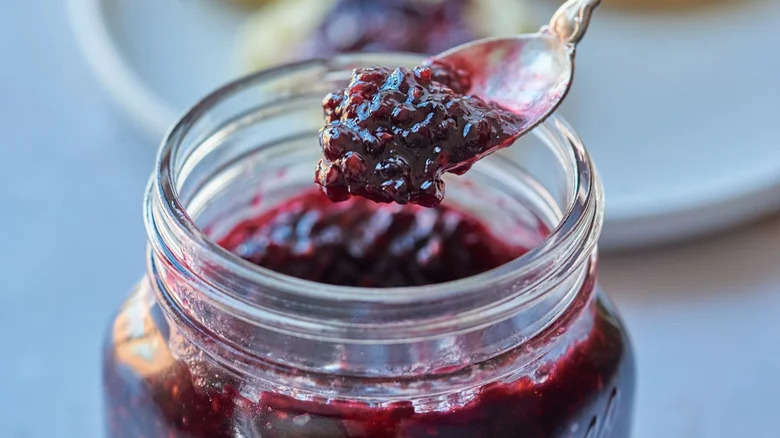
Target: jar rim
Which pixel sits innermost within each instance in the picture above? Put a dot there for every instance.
(574, 237)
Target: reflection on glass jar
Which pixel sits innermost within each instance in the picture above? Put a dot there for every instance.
(212, 345)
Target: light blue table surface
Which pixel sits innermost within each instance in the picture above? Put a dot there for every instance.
(72, 173)
(705, 315)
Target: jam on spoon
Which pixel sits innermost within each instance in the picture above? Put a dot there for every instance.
(392, 133)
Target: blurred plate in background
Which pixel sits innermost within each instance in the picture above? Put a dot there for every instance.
(677, 108)
(157, 57)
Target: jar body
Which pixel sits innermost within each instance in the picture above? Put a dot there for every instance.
(209, 345)
(586, 389)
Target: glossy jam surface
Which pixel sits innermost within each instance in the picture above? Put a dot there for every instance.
(583, 390)
(419, 26)
(361, 243)
(392, 133)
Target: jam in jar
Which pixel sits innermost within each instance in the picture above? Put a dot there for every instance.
(268, 310)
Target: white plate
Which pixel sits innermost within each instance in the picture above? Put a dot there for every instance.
(679, 110)
(157, 57)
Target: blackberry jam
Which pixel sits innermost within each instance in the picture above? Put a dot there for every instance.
(360, 243)
(392, 133)
(267, 310)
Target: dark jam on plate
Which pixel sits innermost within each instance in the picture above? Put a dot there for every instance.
(418, 26)
(585, 392)
(392, 133)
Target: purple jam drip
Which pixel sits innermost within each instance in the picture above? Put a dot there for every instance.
(392, 133)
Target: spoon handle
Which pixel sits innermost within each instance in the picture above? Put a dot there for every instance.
(571, 20)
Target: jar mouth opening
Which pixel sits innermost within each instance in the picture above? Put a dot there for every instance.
(574, 236)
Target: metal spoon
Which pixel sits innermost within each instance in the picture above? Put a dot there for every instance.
(529, 73)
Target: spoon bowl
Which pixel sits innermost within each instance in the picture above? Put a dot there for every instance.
(530, 73)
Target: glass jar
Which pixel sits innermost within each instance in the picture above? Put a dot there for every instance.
(210, 345)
